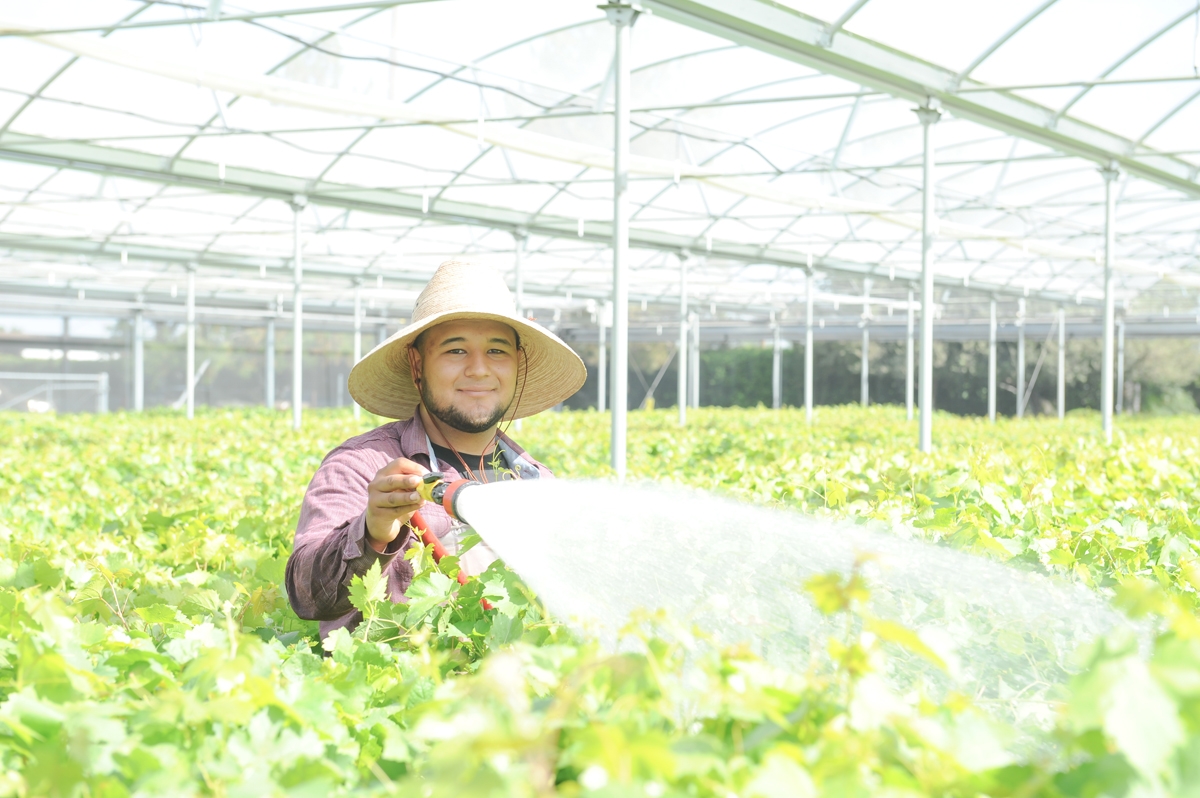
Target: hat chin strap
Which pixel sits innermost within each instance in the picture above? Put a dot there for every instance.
(517, 402)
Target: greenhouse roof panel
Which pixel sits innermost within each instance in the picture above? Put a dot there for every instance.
(175, 133)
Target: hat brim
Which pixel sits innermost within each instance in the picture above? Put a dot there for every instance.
(382, 381)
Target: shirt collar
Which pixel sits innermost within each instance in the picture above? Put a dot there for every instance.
(413, 440)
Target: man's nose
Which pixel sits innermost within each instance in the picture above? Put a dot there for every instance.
(476, 363)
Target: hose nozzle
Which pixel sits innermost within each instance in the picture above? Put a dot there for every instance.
(434, 488)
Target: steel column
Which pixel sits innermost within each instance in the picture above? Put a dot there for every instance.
(808, 343)
(139, 361)
(357, 338)
(908, 358)
(622, 17)
(928, 117)
(518, 279)
(865, 365)
(381, 333)
(1120, 366)
(1020, 358)
(269, 364)
(190, 376)
(683, 339)
(776, 366)
(102, 392)
(1106, 366)
(1062, 362)
(298, 204)
(991, 377)
(694, 365)
(602, 364)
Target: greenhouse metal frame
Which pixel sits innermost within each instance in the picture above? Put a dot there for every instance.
(810, 169)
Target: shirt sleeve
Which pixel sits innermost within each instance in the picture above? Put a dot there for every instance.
(331, 545)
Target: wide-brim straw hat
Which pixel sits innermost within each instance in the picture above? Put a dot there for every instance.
(382, 381)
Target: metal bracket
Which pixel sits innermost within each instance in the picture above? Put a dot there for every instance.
(621, 14)
(928, 114)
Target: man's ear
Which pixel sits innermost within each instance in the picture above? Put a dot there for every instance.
(414, 365)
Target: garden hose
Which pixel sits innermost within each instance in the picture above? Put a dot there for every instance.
(434, 488)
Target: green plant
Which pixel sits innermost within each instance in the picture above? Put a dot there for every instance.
(146, 646)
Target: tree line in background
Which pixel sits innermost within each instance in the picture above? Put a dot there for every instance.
(1161, 375)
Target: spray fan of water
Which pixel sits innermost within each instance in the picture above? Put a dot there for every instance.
(595, 552)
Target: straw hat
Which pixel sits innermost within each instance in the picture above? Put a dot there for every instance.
(382, 383)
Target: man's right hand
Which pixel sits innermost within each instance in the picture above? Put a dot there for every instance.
(391, 500)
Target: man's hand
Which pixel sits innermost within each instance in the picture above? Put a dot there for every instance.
(391, 500)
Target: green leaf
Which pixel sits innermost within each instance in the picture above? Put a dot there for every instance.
(158, 613)
(202, 602)
(780, 776)
(505, 629)
(368, 589)
(1121, 697)
(906, 638)
(425, 593)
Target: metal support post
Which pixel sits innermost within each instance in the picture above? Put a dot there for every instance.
(298, 203)
(928, 117)
(1062, 362)
(519, 237)
(1120, 366)
(992, 362)
(694, 365)
(269, 365)
(381, 333)
(1106, 365)
(102, 392)
(357, 339)
(1020, 358)
(602, 364)
(808, 343)
(190, 376)
(139, 361)
(682, 358)
(622, 17)
(865, 366)
(908, 358)
(776, 366)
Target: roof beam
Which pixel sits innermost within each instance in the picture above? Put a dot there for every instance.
(207, 20)
(776, 29)
(240, 180)
(303, 95)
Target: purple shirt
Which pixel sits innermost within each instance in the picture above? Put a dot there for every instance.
(332, 546)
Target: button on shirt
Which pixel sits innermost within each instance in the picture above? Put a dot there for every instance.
(331, 545)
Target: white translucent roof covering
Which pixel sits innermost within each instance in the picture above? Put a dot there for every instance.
(137, 138)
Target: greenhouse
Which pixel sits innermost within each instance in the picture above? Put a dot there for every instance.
(948, 219)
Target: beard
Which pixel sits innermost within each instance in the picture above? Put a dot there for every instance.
(456, 418)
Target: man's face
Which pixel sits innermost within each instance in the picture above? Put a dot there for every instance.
(468, 372)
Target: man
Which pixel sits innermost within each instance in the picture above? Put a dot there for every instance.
(465, 364)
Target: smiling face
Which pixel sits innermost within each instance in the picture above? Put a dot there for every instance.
(468, 372)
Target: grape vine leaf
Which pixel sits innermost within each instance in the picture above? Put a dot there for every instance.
(1122, 697)
(368, 589)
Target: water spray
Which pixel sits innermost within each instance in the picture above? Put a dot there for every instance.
(737, 572)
